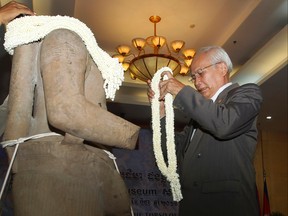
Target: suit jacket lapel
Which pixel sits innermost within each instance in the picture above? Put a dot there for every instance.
(192, 125)
(193, 144)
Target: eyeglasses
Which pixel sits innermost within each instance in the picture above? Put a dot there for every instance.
(200, 71)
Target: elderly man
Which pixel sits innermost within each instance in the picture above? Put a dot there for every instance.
(215, 151)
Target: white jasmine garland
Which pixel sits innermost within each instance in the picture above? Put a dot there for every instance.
(29, 29)
(170, 171)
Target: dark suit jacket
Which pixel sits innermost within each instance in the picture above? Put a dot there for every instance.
(216, 167)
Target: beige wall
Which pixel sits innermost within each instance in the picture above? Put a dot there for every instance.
(274, 146)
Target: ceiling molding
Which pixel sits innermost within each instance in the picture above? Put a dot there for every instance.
(237, 22)
(266, 62)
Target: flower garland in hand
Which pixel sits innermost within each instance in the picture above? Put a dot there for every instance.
(170, 171)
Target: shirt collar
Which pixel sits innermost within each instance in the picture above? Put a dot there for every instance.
(220, 90)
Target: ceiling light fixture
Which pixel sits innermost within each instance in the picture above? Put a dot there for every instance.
(144, 65)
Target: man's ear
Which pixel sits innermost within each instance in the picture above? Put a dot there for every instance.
(224, 69)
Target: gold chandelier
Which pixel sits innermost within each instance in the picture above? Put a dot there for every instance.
(143, 66)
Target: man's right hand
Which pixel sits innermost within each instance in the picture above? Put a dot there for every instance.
(150, 94)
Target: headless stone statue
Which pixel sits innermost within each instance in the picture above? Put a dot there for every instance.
(57, 87)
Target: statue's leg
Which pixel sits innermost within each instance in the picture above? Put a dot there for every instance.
(66, 180)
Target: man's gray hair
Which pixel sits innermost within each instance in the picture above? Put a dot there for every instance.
(216, 54)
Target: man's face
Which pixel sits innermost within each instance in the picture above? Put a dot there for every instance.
(207, 77)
